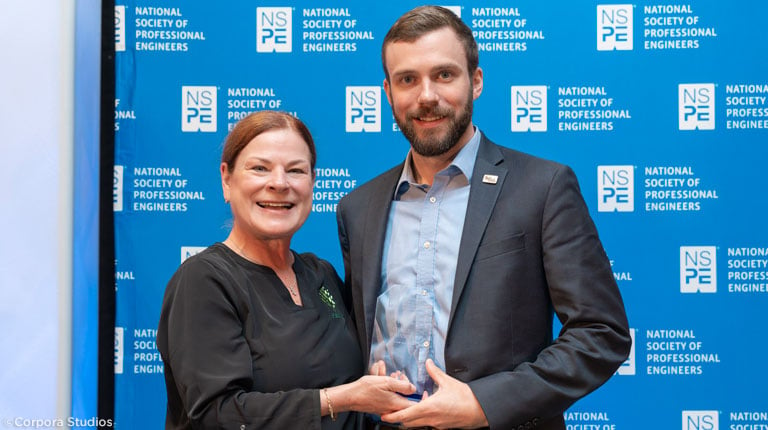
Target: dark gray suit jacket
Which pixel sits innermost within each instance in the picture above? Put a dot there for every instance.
(529, 248)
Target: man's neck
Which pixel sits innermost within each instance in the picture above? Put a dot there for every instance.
(425, 168)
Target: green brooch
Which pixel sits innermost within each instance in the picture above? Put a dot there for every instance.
(327, 298)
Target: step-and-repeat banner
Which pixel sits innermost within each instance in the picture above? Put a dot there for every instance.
(661, 108)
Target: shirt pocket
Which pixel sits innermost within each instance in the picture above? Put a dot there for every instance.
(514, 243)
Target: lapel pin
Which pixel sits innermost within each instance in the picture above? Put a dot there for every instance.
(490, 179)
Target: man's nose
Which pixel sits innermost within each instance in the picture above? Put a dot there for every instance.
(428, 93)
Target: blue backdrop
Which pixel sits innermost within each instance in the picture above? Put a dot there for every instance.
(660, 108)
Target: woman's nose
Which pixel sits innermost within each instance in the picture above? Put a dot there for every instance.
(278, 179)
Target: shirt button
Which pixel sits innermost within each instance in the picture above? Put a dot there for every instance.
(427, 244)
(432, 199)
(426, 344)
(423, 292)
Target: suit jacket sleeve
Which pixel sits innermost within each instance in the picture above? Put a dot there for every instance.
(575, 274)
(351, 288)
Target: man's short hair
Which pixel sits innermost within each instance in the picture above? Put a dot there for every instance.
(425, 19)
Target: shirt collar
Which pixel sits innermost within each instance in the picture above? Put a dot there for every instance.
(464, 162)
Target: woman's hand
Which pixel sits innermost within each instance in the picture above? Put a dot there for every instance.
(374, 394)
(381, 394)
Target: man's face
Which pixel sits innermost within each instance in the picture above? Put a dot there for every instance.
(431, 92)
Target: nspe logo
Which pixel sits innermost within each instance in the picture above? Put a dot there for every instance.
(701, 420)
(198, 109)
(274, 29)
(363, 109)
(455, 9)
(696, 106)
(188, 251)
(698, 269)
(117, 188)
(615, 188)
(119, 28)
(529, 108)
(119, 350)
(627, 368)
(614, 27)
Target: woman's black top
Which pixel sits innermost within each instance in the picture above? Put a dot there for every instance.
(240, 354)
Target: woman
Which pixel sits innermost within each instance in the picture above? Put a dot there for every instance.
(252, 334)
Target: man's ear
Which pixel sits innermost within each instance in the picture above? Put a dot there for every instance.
(387, 91)
(477, 83)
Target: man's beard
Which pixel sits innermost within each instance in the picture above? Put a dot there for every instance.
(433, 145)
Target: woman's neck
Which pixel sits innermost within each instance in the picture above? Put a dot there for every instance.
(271, 253)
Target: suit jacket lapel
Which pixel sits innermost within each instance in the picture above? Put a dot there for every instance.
(376, 216)
(482, 199)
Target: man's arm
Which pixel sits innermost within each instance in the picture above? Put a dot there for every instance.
(594, 339)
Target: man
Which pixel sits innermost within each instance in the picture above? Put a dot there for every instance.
(457, 258)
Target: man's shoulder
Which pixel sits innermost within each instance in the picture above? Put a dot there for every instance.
(524, 160)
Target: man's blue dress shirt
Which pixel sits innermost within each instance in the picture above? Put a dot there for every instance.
(421, 249)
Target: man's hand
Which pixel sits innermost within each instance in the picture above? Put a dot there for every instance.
(453, 405)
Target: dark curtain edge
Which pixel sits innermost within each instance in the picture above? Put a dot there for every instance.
(106, 336)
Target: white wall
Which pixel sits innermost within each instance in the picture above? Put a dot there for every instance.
(36, 129)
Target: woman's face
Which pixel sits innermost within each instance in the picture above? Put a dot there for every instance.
(270, 186)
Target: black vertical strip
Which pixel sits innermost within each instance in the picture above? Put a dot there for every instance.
(106, 354)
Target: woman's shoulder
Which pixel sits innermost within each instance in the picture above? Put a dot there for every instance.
(212, 255)
(212, 263)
